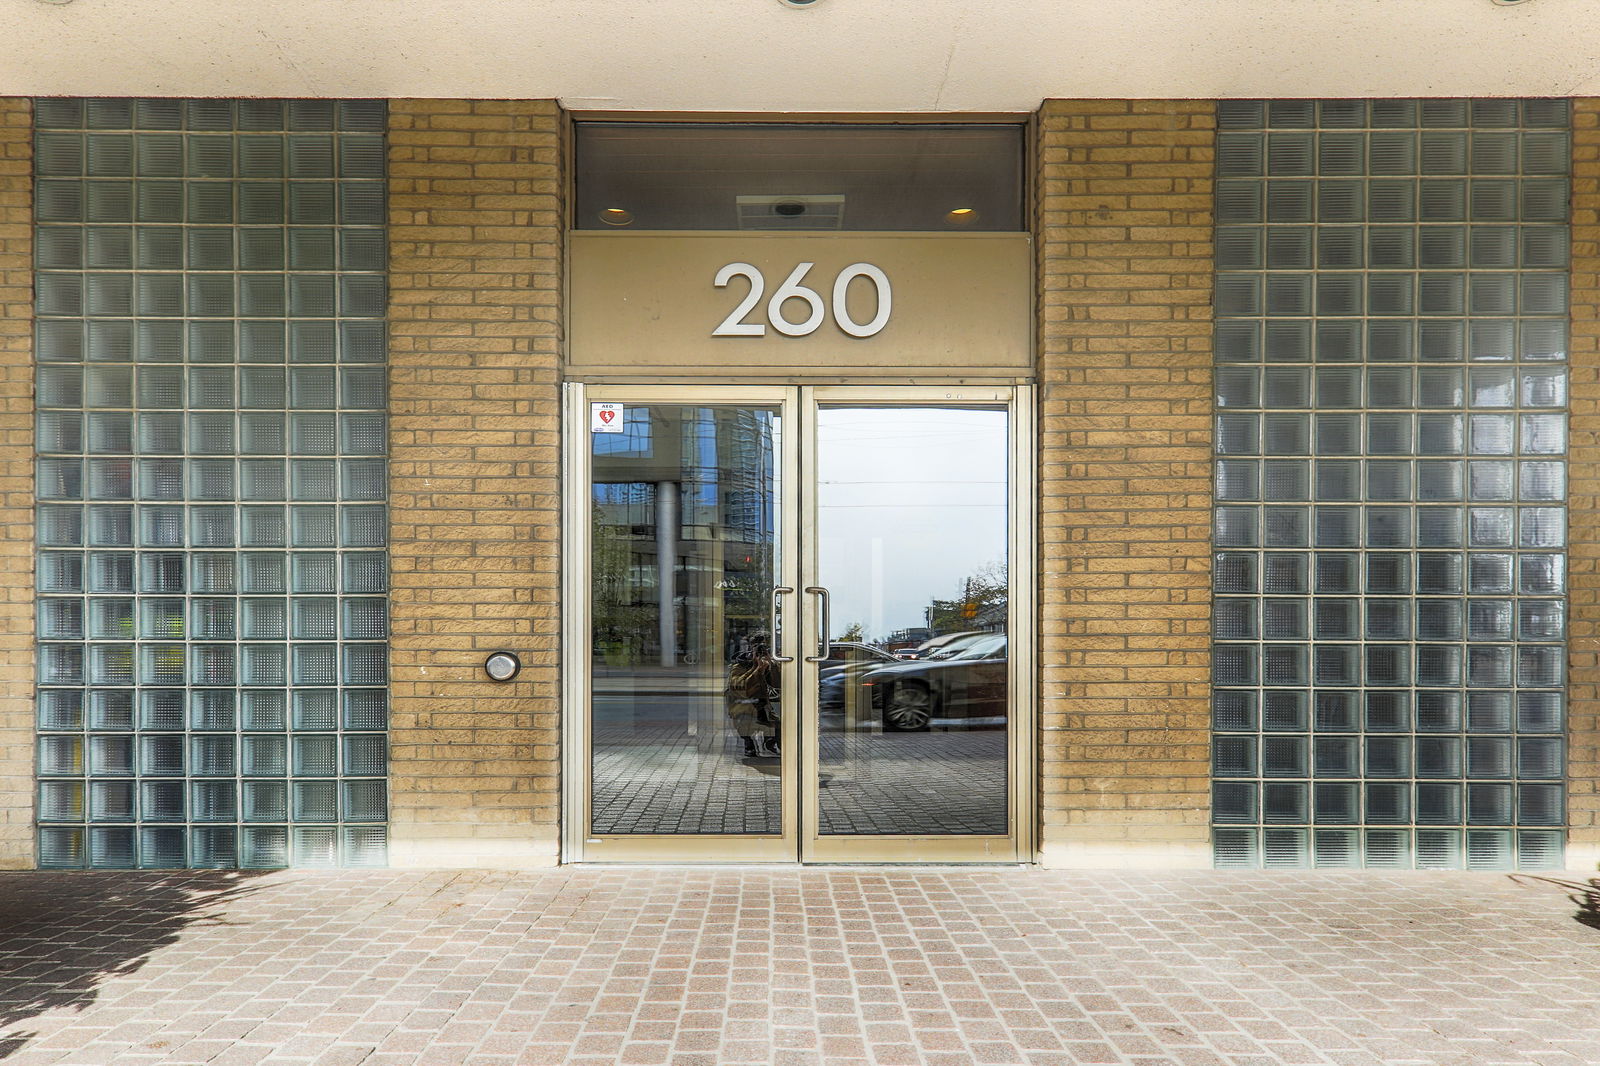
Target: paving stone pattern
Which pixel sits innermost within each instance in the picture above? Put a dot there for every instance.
(658, 778)
(842, 966)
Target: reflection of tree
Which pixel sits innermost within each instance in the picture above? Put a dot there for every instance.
(620, 622)
(854, 631)
(981, 605)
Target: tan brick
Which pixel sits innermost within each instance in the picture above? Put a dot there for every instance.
(475, 241)
(1125, 512)
(16, 485)
(1583, 753)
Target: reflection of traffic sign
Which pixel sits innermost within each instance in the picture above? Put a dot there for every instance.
(969, 610)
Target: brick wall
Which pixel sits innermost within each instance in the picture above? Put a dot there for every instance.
(1583, 850)
(1125, 470)
(16, 483)
(475, 225)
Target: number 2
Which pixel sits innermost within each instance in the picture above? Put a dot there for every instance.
(733, 325)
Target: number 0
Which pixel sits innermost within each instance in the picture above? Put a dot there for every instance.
(841, 290)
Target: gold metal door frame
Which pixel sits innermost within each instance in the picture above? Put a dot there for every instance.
(799, 840)
(1017, 844)
(578, 845)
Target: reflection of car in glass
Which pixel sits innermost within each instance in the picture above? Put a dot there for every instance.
(844, 652)
(832, 685)
(965, 679)
(943, 642)
(948, 645)
(846, 661)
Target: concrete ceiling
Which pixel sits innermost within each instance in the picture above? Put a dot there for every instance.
(833, 55)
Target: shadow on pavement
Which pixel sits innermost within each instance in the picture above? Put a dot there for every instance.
(1586, 894)
(63, 935)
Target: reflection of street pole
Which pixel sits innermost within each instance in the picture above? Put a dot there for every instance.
(875, 583)
(666, 568)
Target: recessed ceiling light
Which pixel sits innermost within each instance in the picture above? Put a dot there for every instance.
(962, 216)
(616, 216)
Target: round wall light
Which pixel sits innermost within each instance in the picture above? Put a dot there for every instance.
(962, 216)
(617, 216)
(502, 666)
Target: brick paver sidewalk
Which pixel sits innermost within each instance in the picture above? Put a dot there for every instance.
(840, 966)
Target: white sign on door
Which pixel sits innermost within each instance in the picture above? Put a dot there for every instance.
(605, 418)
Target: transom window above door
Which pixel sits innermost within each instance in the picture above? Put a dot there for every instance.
(799, 177)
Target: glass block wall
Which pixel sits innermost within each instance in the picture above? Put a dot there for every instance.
(1389, 613)
(212, 613)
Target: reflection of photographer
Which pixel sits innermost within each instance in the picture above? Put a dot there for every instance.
(752, 695)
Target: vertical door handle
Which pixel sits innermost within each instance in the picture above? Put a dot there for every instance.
(824, 642)
(777, 634)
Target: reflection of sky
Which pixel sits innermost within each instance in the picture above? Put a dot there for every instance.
(910, 503)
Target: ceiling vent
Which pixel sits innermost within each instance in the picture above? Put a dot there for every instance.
(814, 212)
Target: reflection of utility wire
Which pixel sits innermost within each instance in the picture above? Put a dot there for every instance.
(890, 428)
(888, 440)
(893, 429)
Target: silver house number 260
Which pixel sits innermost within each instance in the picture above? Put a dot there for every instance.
(816, 310)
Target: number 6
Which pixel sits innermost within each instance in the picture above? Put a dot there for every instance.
(791, 289)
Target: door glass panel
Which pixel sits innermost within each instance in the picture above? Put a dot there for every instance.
(684, 699)
(912, 547)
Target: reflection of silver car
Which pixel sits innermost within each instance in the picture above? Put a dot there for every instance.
(969, 681)
(847, 652)
(846, 661)
(946, 644)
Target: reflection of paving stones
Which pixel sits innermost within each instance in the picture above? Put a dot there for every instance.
(659, 779)
(933, 782)
(655, 777)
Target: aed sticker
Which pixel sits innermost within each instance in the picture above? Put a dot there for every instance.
(605, 418)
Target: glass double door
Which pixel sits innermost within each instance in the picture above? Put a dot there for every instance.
(800, 624)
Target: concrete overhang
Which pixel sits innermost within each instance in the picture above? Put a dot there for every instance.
(831, 55)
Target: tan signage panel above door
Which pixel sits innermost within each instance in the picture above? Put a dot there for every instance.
(826, 306)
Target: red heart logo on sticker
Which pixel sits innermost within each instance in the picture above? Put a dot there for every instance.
(606, 416)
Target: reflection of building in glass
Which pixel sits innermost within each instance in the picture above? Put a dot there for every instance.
(685, 522)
